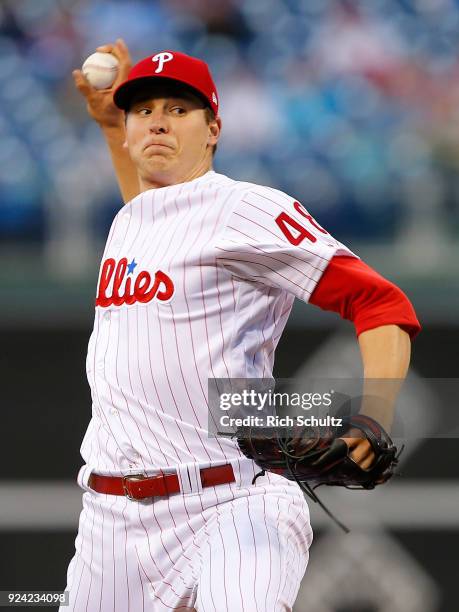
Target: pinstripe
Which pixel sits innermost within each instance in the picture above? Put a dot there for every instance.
(150, 547)
(172, 228)
(89, 542)
(139, 403)
(278, 323)
(143, 590)
(221, 326)
(205, 313)
(165, 549)
(240, 558)
(169, 384)
(94, 387)
(256, 247)
(160, 531)
(79, 558)
(270, 557)
(140, 205)
(265, 197)
(102, 557)
(280, 549)
(150, 254)
(143, 387)
(268, 268)
(113, 550)
(109, 387)
(290, 552)
(278, 193)
(224, 558)
(165, 367)
(264, 255)
(252, 310)
(179, 361)
(217, 222)
(290, 584)
(124, 236)
(119, 387)
(314, 253)
(156, 596)
(291, 594)
(146, 239)
(163, 604)
(219, 528)
(211, 582)
(154, 385)
(110, 390)
(171, 514)
(151, 258)
(256, 560)
(204, 397)
(262, 210)
(125, 551)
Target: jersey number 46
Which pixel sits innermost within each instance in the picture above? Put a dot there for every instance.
(286, 223)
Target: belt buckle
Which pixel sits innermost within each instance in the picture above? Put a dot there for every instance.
(130, 478)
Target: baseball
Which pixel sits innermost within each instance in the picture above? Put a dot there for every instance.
(101, 69)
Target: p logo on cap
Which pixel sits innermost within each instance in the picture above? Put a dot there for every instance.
(173, 65)
(162, 58)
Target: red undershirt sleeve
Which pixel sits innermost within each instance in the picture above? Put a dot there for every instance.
(358, 293)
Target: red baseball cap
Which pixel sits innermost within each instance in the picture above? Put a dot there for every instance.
(169, 65)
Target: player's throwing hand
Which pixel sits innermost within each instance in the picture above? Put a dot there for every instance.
(100, 103)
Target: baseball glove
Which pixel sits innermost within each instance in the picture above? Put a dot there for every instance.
(317, 456)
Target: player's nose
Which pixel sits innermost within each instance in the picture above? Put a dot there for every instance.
(158, 123)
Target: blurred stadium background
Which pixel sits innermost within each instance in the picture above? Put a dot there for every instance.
(350, 106)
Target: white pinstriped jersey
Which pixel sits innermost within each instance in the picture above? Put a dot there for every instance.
(197, 281)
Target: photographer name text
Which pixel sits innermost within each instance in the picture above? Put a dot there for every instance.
(277, 421)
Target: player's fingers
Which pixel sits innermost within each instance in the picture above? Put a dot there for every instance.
(364, 462)
(336, 453)
(105, 48)
(123, 51)
(363, 454)
(352, 437)
(118, 49)
(82, 84)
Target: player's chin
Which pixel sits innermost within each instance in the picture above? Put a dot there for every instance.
(158, 157)
(157, 154)
(154, 163)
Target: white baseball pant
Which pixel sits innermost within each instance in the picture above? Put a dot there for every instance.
(230, 548)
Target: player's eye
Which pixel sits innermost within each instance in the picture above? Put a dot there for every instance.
(144, 111)
(178, 110)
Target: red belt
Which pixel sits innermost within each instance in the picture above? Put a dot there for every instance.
(139, 486)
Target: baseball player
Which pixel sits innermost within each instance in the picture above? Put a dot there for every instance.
(197, 281)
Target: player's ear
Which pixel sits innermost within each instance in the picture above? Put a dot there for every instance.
(215, 126)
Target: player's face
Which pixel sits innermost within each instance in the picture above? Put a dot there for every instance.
(169, 137)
